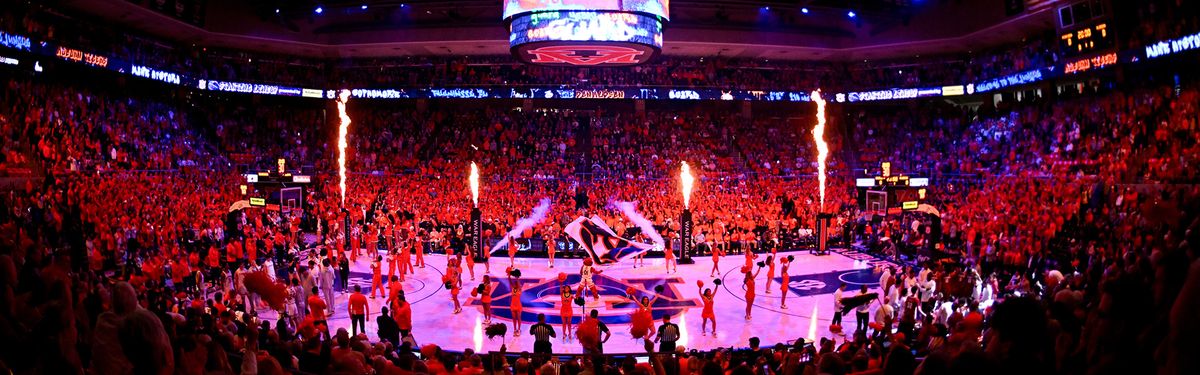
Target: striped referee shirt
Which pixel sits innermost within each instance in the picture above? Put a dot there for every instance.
(668, 332)
(542, 332)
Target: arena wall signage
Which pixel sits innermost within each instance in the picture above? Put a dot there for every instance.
(42, 48)
(1086, 64)
(1016, 79)
(155, 74)
(1172, 46)
(15, 41)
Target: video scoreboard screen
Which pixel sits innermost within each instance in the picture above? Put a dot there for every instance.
(585, 33)
(655, 8)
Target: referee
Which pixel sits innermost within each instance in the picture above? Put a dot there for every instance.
(542, 333)
(668, 333)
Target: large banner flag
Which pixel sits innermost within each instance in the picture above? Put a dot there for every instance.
(599, 240)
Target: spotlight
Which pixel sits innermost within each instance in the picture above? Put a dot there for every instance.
(276, 10)
(851, 14)
(766, 8)
(364, 7)
(319, 10)
(804, 10)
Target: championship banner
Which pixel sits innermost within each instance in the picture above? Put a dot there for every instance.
(599, 240)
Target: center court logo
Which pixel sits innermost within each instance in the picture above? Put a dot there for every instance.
(542, 296)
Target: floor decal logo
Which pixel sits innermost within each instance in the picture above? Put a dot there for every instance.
(542, 296)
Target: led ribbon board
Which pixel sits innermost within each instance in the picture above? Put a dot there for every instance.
(585, 38)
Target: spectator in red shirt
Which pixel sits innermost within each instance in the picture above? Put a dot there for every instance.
(402, 313)
(359, 309)
(317, 306)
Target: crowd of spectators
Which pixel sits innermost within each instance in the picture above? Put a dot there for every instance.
(1075, 214)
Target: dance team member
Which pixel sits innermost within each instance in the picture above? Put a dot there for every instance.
(669, 259)
(454, 271)
(784, 263)
(485, 298)
(565, 310)
(515, 306)
(716, 257)
(376, 277)
(770, 272)
(707, 315)
(748, 284)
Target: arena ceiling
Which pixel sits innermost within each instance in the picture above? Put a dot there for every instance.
(747, 29)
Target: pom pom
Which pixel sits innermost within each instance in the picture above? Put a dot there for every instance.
(875, 326)
(495, 329)
(717, 282)
(791, 258)
(658, 289)
(272, 292)
(588, 333)
(699, 283)
(640, 323)
(745, 269)
(562, 277)
(449, 285)
(516, 273)
(479, 289)
(474, 292)
(761, 264)
(629, 291)
(579, 301)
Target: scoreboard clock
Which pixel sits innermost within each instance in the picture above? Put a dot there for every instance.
(1086, 40)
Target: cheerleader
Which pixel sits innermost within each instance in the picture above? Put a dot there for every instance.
(512, 251)
(406, 250)
(669, 259)
(642, 321)
(748, 284)
(550, 248)
(515, 305)
(707, 314)
(770, 272)
(716, 258)
(565, 310)
(470, 262)
(485, 298)
(454, 276)
(750, 257)
(420, 251)
(391, 258)
(783, 281)
(640, 257)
